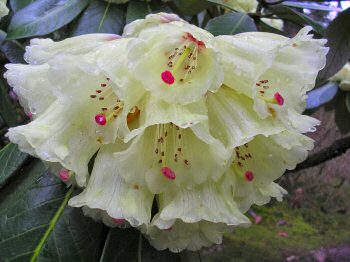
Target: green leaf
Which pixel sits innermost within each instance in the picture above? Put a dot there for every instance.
(11, 159)
(292, 15)
(221, 4)
(321, 95)
(37, 225)
(338, 36)
(313, 6)
(230, 24)
(347, 101)
(139, 9)
(7, 109)
(12, 49)
(100, 17)
(192, 7)
(127, 245)
(17, 5)
(43, 17)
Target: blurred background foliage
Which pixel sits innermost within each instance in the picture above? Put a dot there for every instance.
(312, 224)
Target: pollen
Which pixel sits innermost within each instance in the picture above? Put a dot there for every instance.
(100, 119)
(249, 175)
(168, 173)
(64, 175)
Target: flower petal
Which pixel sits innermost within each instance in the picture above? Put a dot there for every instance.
(170, 146)
(233, 121)
(107, 191)
(266, 158)
(194, 64)
(29, 83)
(42, 50)
(56, 138)
(191, 236)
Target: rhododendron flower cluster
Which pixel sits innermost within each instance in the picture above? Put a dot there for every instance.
(196, 125)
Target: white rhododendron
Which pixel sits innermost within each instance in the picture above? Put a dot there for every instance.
(196, 125)
(244, 6)
(3, 8)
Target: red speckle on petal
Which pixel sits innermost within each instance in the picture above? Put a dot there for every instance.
(64, 175)
(168, 77)
(30, 114)
(118, 221)
(168, 229)
(279, 98)
(100, 119)
(249, 175)
(168, 173)
(200, 44)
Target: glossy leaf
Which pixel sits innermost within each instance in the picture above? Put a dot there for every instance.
(292, 15)
(100, 17)
(17, 5)
(35, 220)
(314, 6)
(136, 10)
(192, 7)
(338, 36)
(139, 9)
(230, 24)
(220, 3)
(127, 245)
(7, 108)
(11, 159)
(265, 27)
(321, 95)
(43, 17)
(12, 49)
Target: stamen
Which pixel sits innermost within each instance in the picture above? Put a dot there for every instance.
(65, 175)
(168, 76)
(168, 173)
(279, 98)
(100, 119)
(249, 175)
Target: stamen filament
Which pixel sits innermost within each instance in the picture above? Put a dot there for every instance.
(180, 60)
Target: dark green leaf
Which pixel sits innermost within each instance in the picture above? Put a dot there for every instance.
(230, 24)
(338, 36)
(17, 5)
(192, 7)
(292, 15)
(126, 245)
(11, 159)
(7, 109)
(100, 17)
(139, 9)
(220, 3)
(321, 95)
(347, 101)
(43, 17)
(35, 219)
(313, 6)
(12, 49)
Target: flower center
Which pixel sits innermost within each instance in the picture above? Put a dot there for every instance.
(110, 112)
(168, 148)
(183, 60)
(242, 156)
(265, 93)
